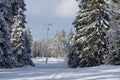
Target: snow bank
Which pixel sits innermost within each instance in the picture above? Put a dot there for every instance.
(57, 69)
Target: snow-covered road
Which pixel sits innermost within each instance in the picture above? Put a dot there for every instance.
(57, 69)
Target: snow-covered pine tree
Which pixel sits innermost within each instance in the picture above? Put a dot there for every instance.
(5, 48)
(6, 56)
(91, 41)
(18, 36)
(17, 41)
(28, 39)
(28, 45)
(70, 41)
(70, 37)
(58, 45)
(114, 49)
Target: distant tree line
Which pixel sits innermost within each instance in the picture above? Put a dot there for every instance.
(58, 46)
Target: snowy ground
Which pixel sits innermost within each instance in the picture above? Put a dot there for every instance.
(57, 69)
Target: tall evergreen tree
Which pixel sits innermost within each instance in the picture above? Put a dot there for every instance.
(11, 14)
(5, 48)
(91, 26)
(17, 39)
(6, 56)
(70, 40)
(28, 39)
(114, 49)
(28, 44)
(70, 37)
(58, 45)
(17, 35)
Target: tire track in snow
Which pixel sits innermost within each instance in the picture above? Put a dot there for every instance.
(56, 75)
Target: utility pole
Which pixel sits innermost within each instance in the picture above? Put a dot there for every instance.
(47, 29)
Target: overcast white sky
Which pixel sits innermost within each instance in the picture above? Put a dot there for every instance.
(60, 13)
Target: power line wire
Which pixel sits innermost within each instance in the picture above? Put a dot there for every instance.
(59, 11)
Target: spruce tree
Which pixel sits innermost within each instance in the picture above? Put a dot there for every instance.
(58, 45)
(17, 34)
(11, 19)
(6, 56)
(28, 44)
(114, 47)
(91, 42)
(17, 41)
(28, 39)
(5, 48)
(70, 37)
